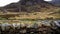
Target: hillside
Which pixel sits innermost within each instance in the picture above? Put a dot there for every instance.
(30, 17)
(30, 9)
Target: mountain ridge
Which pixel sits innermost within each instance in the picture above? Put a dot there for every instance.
(32, 9)
(24, 4)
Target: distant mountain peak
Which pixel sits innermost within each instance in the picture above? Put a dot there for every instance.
(55, 2)
(24, 2)
(28, 5)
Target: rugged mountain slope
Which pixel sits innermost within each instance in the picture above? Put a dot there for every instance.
(32, 9)
(29, 5)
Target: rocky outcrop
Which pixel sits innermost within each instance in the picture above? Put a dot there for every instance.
(21, 28)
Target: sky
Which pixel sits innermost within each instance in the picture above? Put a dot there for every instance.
(5, 2)
(48, 0)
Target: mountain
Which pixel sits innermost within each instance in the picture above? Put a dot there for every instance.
(32, 9)
(28, 5)
(55, 2)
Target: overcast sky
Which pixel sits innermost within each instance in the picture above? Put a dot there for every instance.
(48, 0)
(5, 2)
